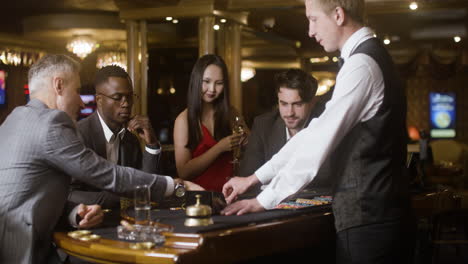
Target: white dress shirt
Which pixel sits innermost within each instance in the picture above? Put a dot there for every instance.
(358, 94)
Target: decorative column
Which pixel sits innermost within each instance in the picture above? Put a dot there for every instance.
(144, 68)
(133, 66)
(137, 63)
(233, 60)
(206, 35)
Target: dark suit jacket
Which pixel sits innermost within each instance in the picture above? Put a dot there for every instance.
(130, 155)
(267, 137)
(40, 152)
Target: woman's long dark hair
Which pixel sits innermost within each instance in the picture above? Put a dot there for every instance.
(222, 127)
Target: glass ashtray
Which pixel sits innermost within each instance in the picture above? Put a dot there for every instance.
(143, 233)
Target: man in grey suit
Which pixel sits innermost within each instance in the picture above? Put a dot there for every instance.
(107, 132)
(297, 103)
(41, 151)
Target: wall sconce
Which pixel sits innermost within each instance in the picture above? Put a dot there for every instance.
(319, 59)
(247, 73)
(82, 46)
(324, 86)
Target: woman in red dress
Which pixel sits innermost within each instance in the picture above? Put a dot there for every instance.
(203, 138)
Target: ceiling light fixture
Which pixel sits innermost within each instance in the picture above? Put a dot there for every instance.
(175, 21)
(118, 58)
(413, 6)
(457, 39)
(216, 27)
(168, 18)
(222, 20)
(387, 41)
(82, 46)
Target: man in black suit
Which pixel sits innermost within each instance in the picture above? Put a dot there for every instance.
(270, 131)
(108, 132)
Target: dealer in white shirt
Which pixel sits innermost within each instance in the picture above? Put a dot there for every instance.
(357, 97)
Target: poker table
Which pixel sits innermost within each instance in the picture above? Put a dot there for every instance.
(269, 235)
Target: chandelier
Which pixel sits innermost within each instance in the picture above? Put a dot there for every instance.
(18, 56)
(82, 46)
(118, 58)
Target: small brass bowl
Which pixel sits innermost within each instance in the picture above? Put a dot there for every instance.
(78, 233)
(92, 237)
(142, 245)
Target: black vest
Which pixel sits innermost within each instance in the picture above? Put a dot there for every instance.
(371, 181)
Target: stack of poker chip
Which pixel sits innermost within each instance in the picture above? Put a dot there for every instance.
(302, 202)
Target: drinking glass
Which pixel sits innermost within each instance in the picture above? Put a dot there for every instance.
(237, 128)
(142, 204)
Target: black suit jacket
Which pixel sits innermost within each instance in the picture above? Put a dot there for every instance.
(267, 137)
(130, 155)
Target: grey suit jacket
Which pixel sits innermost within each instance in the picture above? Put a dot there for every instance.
(130, 155)
(40, 152)
(267, 137)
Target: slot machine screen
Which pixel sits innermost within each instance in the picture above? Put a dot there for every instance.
(2, 87)
(442, 115)
(90, 105)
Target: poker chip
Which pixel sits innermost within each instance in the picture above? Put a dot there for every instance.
(302, 202)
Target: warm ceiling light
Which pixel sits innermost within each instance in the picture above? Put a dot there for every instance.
(175, 21)
(457, 39)
(413, 6)
(82, 46)
(216, 27)
(222, 20)
(387, 41)
(168, 18)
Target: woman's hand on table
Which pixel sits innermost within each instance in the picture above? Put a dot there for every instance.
(91, 215)
(243, 207)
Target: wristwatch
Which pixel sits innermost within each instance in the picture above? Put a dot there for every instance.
(179, 190)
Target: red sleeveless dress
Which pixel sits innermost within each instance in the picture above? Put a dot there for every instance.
(215, 176)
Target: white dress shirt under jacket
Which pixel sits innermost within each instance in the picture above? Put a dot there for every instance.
(358, 95)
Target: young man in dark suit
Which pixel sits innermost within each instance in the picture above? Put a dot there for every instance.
(108, 132)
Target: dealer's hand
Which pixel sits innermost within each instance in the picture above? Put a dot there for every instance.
(243, 207)
(237, 186)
